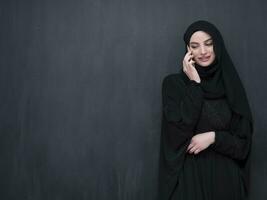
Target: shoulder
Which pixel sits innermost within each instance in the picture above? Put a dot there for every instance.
(173, 80)
(173, 87)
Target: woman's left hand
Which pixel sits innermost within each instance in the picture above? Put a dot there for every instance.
(200, 142)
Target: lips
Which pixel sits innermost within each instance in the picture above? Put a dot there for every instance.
(204, 59)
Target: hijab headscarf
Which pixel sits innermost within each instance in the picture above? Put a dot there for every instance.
(220, 78)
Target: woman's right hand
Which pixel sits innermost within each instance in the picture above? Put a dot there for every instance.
(189, 68)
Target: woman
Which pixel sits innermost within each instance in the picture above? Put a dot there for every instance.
(207, 124)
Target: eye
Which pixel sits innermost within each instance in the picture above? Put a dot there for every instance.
(209, 43)
(193, 47)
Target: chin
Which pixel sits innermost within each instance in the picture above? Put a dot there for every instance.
(204, 64)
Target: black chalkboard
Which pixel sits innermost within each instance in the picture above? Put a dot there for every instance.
(80, 85)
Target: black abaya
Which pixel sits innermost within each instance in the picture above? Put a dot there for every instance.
(214, 173)
(219, 104)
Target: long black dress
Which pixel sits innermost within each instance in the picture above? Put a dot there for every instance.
(214, 173)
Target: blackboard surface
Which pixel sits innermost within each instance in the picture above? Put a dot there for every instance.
(80, 85)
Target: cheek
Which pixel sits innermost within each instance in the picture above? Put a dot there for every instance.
(194, 53)
(212, 54)
(211, 50)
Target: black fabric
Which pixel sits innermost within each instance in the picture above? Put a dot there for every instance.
(211, 76)
(183, 102)
(222, 74)
(181, 107)
(213, 175)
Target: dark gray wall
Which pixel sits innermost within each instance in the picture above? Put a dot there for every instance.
(80, 85)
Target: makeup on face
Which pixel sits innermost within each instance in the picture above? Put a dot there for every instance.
(201, 45)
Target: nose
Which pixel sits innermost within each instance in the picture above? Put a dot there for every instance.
(203, 50)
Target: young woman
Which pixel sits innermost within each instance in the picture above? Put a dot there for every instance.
(207, 124)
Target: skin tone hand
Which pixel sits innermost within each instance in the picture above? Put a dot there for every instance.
(189, 68)
(200, 142)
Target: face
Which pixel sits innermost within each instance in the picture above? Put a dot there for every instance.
(201, 45)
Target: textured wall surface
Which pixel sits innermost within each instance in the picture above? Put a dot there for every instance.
(80, 85)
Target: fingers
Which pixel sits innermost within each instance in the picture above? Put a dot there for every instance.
(196, 151)
(189, 146)
(193, 149)
(189, 66)
(188, 56)
(188, 63)
(192, 62)
(188, 49)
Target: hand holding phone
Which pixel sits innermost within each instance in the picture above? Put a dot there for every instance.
(189, 68)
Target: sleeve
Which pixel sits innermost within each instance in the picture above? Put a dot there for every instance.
(181, 106)
(235, 143)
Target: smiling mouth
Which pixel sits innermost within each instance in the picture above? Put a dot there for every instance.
(204, 59)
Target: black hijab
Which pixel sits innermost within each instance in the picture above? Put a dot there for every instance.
(220, 78)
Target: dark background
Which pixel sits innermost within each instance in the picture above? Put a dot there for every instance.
(80, 85)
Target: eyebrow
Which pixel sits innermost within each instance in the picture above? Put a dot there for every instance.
(204, 41)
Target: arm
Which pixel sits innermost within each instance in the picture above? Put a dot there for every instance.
(181, 108)
(234, 143)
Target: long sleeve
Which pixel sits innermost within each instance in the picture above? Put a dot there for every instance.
(181, 108)
(234, 143)
(181, 104)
